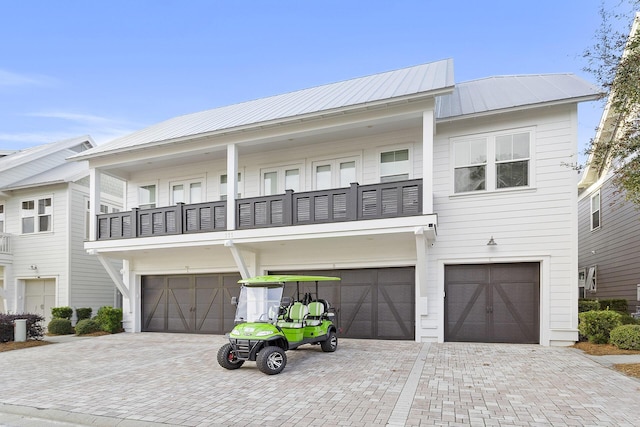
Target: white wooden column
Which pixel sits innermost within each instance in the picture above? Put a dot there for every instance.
(94, 202)
(428, 132)
(232, 185)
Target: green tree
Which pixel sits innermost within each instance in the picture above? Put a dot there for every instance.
(614, 60)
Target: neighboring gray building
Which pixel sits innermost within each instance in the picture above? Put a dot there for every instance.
(609, 226)
(44, 205)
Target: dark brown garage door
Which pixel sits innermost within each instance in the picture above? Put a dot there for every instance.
(189, 303)
(492, 303)
(370, 303)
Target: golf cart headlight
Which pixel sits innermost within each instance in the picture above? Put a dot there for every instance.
(263, 333)
(235, 332)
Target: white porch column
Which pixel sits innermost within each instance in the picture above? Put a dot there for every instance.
(94, 203)
(428, 132)
(232, 185)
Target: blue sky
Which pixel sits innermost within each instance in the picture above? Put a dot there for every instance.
(107, 68)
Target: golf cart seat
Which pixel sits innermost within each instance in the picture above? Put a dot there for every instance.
(295, 316)
(316, 311)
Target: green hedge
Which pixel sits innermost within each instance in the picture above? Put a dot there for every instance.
(588, 305)
(596, 325)
(626, 337)
(59, 326)
(87, 326)
(83, 313)
(62, 312)
(614, 304)
(109, 319)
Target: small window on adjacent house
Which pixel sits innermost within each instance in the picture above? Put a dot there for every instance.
(394, 165)
(512, 160)
(470, 165)
(595, 211)
(147, 197)
(1, 218)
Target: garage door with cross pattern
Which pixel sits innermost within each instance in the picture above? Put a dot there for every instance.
(374, 303)
(493, 303)
(189, 303)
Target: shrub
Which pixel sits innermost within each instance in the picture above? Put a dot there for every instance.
(619, 305)
(627, 319)
(626, 337)
(87, 326)
(62, 312)
(34, 327)
(59, 326)
(597, 324)
(109, 319)
(83, 313)
(588, 305)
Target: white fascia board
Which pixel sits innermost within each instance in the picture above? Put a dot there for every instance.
(406, 225)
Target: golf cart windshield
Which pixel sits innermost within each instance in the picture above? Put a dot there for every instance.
(259, 303)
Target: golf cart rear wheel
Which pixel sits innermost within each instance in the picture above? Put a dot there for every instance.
(331, 343)
(271, 360)
(227, 358)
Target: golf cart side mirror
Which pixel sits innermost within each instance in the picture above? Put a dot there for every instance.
(286, 301)
(234, 301)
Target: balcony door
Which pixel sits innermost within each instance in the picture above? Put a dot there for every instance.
(337, 173)
(187, 192)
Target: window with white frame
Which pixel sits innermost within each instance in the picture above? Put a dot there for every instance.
(279, 179)
(104, 208)
(223, 186)
(188, 191)
(582, 280)
(1, 218)
(336, 173)
(147, 196)
(595, 211)
(492, 162)
(394, 165)
(36, 215)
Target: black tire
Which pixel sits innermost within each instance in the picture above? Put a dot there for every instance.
(227, 359)
(331, 343)
(271, 360)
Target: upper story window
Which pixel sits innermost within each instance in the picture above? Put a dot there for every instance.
(186, 191)
(147, 196)
(595, 211)
(277, 180)
(36, 215)
(394, 165)
(104, 209)
(223, 186)
(492, 162)
(1, 218)
(336, 173)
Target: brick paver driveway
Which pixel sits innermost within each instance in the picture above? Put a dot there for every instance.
(148, 378)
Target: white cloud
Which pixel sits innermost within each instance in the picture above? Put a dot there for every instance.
(8, 78)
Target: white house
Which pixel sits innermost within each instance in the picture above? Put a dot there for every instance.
(43, 223)
(444, 207)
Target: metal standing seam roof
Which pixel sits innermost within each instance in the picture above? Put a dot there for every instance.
(66, 172)
(434, 77)
(505, 92)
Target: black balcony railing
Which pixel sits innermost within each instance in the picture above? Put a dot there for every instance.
(357, 202)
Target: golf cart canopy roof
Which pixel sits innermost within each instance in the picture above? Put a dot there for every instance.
(264, 280)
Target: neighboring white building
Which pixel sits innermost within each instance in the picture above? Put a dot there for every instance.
(43, 223)
(399, 181)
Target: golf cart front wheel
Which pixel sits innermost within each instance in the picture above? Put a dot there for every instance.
(331, 343)
(271, 360)
(227, 358)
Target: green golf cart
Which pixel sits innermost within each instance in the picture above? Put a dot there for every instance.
(268, 323)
